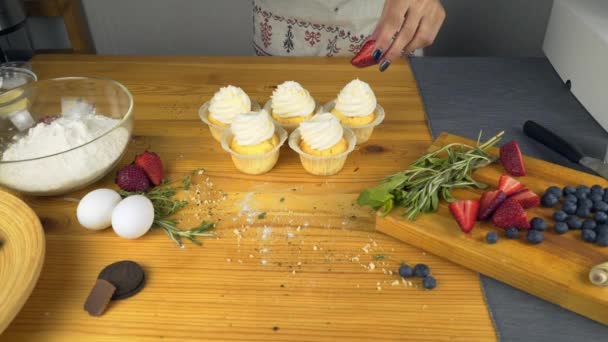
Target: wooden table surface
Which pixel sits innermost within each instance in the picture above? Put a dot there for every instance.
(307, 271)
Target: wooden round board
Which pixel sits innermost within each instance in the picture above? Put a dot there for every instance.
(21, 255)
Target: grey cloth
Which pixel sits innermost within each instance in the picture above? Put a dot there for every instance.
(465, 95)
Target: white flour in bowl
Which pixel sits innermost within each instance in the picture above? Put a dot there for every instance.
(68, 170)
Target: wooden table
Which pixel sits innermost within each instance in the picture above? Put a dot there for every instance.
(307, 271)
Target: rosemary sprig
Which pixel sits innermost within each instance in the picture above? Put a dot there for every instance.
(430, 178)
(166, 206)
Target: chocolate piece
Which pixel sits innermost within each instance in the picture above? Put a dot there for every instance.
(127, 276)
(100, 296)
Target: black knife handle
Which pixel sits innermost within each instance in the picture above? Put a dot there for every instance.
(552, 141)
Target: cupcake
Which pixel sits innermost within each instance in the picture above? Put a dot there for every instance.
(357, 108)
(223, 107)
(290, 104)
(254, 141)
(323, 144)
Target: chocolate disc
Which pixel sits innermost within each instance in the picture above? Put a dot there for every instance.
(127, 276)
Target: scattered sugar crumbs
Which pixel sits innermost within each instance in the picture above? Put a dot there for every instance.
(254, 233)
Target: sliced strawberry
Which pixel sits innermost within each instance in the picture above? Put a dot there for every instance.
(364, 57)
(509, 185)
(465, 213)
(152, 165)
(490, 200)
(527, 199)
(511, 214)
(511, 159)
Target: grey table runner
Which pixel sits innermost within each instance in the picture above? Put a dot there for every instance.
(465, 95)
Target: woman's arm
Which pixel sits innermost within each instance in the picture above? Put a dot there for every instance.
(413, 23)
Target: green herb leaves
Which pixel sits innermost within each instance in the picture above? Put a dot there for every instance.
(429, 179)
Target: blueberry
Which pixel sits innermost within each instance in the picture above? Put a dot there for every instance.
(602, 228)
(596, 198)
(597, 189)
(421, 270)
(534, 237)
(601, 217)
(561, 227)
(583, 211)
(601, 206)
(405, 271)
(538, 223)
(588, 224)
(512, 233)
(569, 208)
(587, 202)
(571, 198)
(491, 237)
(429, 282)
(549, 200)
(560, 216)
(574, 222)
(588, 235)
(555, 191)
(605, 195)
(583, 189)
(602, 239)
(569, 190)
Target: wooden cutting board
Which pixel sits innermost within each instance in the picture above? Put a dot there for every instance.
(21, 255)
(555, 270)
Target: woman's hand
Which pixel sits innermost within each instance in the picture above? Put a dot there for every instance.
(413, 23)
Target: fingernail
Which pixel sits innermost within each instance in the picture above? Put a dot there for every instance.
(377, 54)
(384, 65)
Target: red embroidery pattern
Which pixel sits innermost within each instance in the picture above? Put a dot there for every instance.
(266, 31)
(312, 37)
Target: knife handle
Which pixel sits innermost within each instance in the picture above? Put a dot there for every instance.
(552, 141)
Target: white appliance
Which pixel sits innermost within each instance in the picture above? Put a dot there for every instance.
(576, 43)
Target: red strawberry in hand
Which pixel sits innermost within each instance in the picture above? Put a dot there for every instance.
(465, 213)
(490, 200)
(365, 56)
(509, 185)
(511, 159)
(527, 199)
(150, 162)
(511, 214)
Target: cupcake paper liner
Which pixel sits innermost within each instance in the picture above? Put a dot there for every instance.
(218, 130)
(288, 127)
(323, 165)
(254, 164)
(362, 132)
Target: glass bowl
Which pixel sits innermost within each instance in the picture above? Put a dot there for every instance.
(13, 77)
(62, 134)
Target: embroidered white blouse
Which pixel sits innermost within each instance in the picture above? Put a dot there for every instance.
(313, 27)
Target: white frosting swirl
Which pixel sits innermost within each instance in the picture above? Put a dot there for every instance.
(228, 102)
(252, 128)
(356, 99)
(291, 99)
(322, 131)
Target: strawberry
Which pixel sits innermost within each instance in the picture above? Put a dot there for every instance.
(490, 200)
(465, 213)
(511, 214)
(152, 165)
(511, 159)
(527, 199)
(132, 178)
(47, 120)
(509, 185)
(364, 57)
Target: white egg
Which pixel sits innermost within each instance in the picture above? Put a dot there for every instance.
(133, 217)
(95, 208)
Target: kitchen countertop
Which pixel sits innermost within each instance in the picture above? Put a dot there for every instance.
(307, 271)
